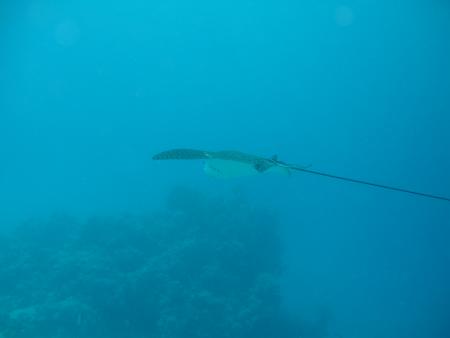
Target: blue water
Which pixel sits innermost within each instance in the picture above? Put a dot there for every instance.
(89, 91)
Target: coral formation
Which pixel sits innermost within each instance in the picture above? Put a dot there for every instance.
(203, 267)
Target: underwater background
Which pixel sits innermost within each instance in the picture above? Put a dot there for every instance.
(98, 240)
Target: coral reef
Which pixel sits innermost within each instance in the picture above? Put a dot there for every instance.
(202, 267)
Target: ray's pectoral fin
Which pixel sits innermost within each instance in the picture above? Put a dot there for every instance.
(182, 154)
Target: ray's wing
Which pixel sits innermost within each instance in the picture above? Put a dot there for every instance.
(222, 159)
(194, 154)
(182, 154)
(232, 155)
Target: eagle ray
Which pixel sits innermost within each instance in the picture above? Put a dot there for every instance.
(231, 163)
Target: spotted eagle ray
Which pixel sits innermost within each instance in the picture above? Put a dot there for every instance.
(230, 163)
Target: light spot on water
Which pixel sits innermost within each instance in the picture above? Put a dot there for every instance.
(39, 13)
(67, 33)
(344, 16)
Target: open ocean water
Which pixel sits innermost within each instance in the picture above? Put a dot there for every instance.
(99, 240)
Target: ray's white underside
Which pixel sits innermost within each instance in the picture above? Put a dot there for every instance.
(230, 169)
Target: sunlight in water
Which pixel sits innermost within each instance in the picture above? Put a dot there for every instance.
(344, 16)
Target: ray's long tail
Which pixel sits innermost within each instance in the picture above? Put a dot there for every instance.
(377, 185)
